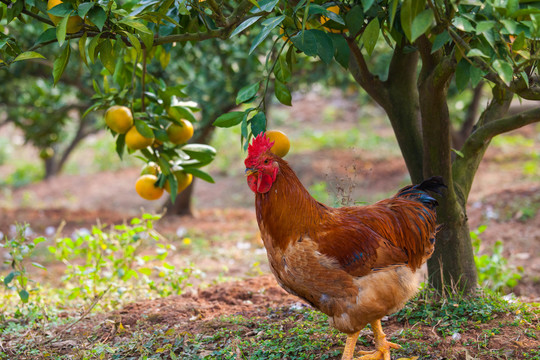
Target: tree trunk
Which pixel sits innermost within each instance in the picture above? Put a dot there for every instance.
(182, 205)
(51, 167)
(453, 253)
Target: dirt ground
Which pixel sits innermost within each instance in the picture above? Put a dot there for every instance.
(500, 199)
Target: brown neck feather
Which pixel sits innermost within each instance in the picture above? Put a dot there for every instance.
(287, 211)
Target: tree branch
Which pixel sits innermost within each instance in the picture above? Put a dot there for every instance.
(500, 126)
(459, 136)
(369, 82)
(31, 14)
(464, 167)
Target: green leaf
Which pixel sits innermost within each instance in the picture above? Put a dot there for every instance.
(39, 240)
(92, 48)
(334, 17)
(144, 129)
(282, 93)
(24, 295)
(243, 127)
(61, 10)
(97, 16)
(229, 119)
(343, 52)
(512, 6)
(47, 35)
(393, 10)
(28, 55)
(268, 26)
(61, 30)
(134, 41)
(39, 266)
(106, 55)
(145, 271)
(354, 20)
(325, 46)
(483, 26)
(519, 42)
(10, 277)
(200, 152)
(266, 5)
(147, 38)
(184, 113)
(421, 23)
(247, 93)
(83, 8)
(504, 70)
(82, 48)
(282, 71)
(120, 145)
(14, 9)
(60, 63)
(366, 4)
(200, 174)
(258, 123)
(476, 75)
(243, 26)
(306, 42)
(458, 153)
(370, 35)
(477, 52)
(135, 25)
(462, 24)
(406, 17)
(440, 41)
(462, 74)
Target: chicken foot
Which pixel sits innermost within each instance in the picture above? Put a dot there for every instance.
(382, 346)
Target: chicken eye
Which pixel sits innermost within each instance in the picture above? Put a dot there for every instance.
(266, 162)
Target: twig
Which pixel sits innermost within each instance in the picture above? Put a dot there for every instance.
(84, 314)
(31, 14)
(143, 76)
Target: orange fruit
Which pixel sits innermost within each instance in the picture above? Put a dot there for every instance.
(179, 134)
(119, 118)
(74, 24)
(46, 153)
(324, 19)
(151, 168)
(135, 141)
(183, 180)
(281, 142)
(146, 187)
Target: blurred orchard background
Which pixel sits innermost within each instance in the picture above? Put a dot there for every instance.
(88, 264)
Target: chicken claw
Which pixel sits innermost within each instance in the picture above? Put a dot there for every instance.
(382, 346)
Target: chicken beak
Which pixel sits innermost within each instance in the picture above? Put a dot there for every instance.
(250, 171)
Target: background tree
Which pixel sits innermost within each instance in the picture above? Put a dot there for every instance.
(49, 117)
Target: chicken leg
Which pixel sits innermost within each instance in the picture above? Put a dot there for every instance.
(382, 346)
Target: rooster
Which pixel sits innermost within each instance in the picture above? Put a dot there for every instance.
(356, 264)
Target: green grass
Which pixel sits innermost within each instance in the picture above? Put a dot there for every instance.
(455, 313)
(299, 333)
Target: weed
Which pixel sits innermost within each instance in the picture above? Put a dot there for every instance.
(494, 271)
(455, 313)
(24, 174)
(116, 260)
(20, 249)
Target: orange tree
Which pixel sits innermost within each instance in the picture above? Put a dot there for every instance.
(433, 45)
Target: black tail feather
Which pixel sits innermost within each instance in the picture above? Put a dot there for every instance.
(434, 184)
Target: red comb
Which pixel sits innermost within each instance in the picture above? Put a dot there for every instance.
(259, 145)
